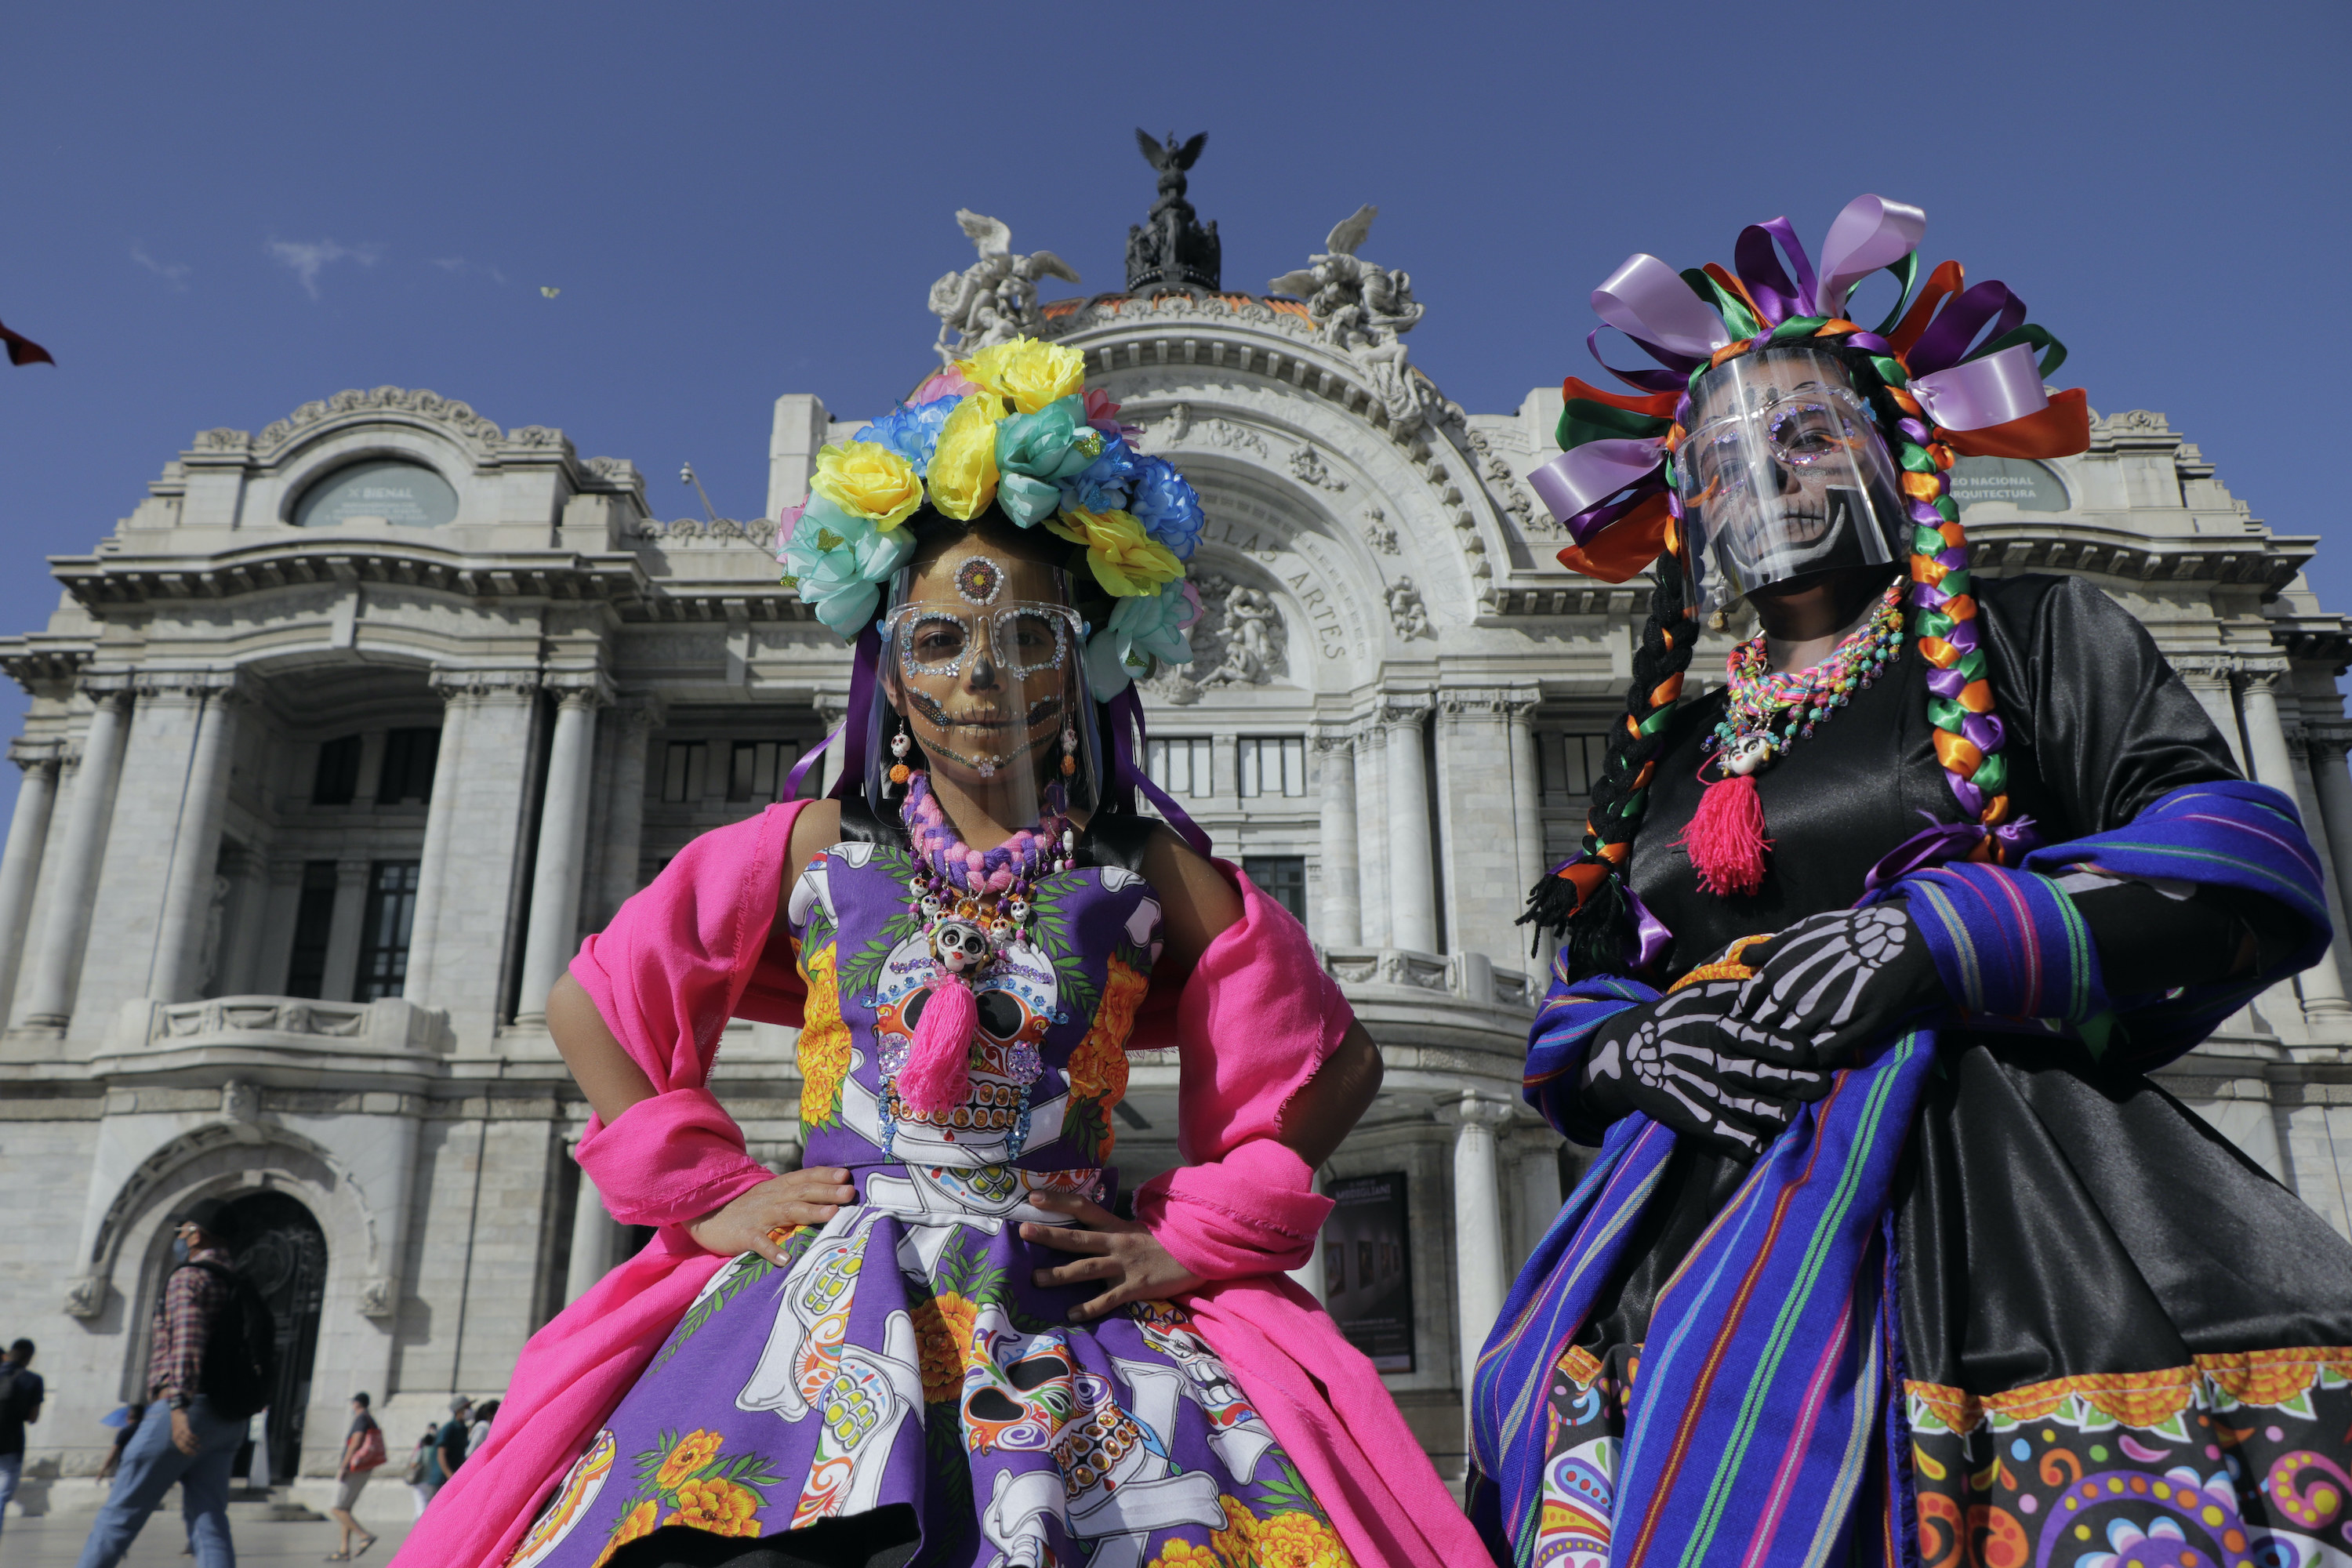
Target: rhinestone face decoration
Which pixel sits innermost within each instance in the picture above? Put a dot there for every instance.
(979, 580)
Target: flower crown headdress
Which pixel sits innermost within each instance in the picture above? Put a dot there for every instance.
(1015, 426)
(1955, 375)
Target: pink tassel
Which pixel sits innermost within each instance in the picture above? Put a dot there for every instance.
(1724, 839)
(938, 1075)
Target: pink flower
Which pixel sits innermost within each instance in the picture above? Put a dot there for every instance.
(949, 382)
(1102, 413)
(1192, 614)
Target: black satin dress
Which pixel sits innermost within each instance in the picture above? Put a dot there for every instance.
(2082, 1259)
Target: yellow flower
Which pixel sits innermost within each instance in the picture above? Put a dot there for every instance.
(1098, 1069)
(943, 1326)
(964, 465)
(1297, 1541)
(1235, 1543)
(693, 1451)
(866, 479)
(717, 1507)
(1031, 373)
(637, 1522)
(1126, 560)
(1185, 1554)
(825, 1040)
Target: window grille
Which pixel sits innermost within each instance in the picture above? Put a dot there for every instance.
(1273, 764)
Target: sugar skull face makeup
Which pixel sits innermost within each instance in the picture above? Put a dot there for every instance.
(982, 656)
(1783, 475)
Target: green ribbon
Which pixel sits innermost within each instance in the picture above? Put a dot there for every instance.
(1993, 773)
(1958, 583)
(1889, 371)
(1926, 540)
(1582, 420)
(1906, 273)
(1915, 458)
(1972, 665)
(1736, 313)
(1932, 623)
(1799, 327)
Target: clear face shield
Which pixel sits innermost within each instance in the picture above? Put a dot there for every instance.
(1783, 475)
(991, 686)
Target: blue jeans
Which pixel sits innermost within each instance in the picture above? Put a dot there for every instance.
(150, 1464)
(12, 1471)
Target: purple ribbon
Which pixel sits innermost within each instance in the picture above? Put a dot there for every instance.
(1871, 233)
(1943, 841)
(1946, 343)
(1124, 711)
(1768, 282)
(1984, 392)
(1671, 380)
(1578, 482)
(850, 733)
(1648, 301)
(1654, 936)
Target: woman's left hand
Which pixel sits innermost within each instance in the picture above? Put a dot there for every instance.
(1117, 1252)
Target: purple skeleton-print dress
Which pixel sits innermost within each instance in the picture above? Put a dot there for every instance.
(904, 1361)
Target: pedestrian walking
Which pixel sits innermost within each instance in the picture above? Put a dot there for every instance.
(421, 1484)
(125, 1423)
(212, 1363)
(450, 1444)
(20, 1406)
(362, 1452)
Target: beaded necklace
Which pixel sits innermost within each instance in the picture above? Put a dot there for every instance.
(1770, 710)
(973, 905)
(988, 891)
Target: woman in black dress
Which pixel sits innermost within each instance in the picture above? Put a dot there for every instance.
(1893, 1251)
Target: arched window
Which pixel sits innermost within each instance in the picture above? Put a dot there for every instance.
(387, 489)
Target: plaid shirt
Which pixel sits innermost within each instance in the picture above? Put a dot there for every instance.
(192, 1300)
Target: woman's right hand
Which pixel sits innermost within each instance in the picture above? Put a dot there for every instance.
(808, 1197)
(1670, 1059)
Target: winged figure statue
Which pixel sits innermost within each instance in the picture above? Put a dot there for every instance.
(994, 300)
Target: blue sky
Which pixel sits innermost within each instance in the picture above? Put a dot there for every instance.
(215, 214)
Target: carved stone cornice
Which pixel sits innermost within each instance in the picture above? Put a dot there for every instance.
(589, 689)
(105, 581)
(37, 756)
(183, 685)
(1403, 711)
(483, 685)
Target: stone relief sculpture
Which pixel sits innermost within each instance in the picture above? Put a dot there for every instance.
(1239, 640)
(1172, 247)
(1309, 466)
(1366, 309)
(1407, 614)
(994, 300)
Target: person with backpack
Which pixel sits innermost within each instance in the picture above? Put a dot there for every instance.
(20, 1406)
(212, 1363)
(421, 1484)
(362, 1452)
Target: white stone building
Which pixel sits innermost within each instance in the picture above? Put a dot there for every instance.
(341, 740)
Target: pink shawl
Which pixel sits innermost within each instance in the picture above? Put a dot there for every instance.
(1255, 1020)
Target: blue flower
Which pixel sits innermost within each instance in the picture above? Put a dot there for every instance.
(1169, 507)
(837, 562)
(911, 430)
(1141, 627)
(1103, 487)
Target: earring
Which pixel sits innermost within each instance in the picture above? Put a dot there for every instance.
(900, 745)
(1069, 749)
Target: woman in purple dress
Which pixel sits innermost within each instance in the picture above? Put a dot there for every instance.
(937, 1343)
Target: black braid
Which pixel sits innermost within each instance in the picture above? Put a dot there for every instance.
(1599, 934)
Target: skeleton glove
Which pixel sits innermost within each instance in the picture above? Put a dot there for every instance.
(1665, 1059)
(1830, 985)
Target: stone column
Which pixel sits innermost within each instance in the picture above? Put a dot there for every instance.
(2334, 781)
(48, 1000)
(1540, 1196)
(1374, 888)
(195, 848)
(1478, 1263)
(1412, 911)
(1343, 913)
(20, 866)
(2321, 985)
(340, 981)
(440, 822)
(2303, 748)
(625, 813)
(830, 709)
(2207, 681)
(562, 839)
(594, 1232)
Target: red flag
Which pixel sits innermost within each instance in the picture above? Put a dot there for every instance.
(23, 350)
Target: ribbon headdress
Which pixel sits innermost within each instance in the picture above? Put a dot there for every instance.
(1960, 360)
(1956, 365)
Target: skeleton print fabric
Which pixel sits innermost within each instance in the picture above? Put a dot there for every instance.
(1671, 1061)
(904, 1356)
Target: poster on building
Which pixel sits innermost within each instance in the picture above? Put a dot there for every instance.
(1368, 1267)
